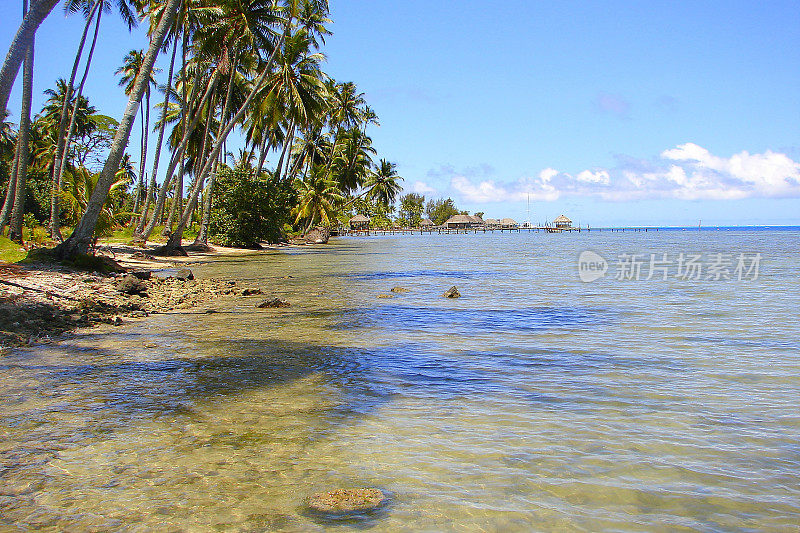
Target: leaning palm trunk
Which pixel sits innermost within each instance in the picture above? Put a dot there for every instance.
(81, 237)
(142, 220)
(11, 190)
(55, 196)
(177, 235)
(178, 155)
(19, 46)
(64, 154)
(15, 231)
(202, 235)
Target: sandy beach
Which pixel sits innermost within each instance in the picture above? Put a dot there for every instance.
(41, 301)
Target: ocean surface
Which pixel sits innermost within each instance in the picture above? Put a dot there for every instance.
(660, 395)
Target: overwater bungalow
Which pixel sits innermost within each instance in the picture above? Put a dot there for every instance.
(492, 223)
(426, 223)
(359, 222)
(508, 223)
(562, 222)
(460, 222)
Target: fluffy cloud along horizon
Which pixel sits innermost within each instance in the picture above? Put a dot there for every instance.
(686, 172)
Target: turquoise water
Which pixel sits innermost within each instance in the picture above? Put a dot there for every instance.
(533, 402)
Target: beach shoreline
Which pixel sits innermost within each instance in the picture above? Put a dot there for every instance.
(43, 301)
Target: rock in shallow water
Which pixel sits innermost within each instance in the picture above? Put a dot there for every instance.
(452, 292)
(399, 289)
(272, 303)
(347, 500)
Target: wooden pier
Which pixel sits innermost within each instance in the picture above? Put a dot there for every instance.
(438, 230)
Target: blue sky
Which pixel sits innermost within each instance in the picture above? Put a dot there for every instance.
(611, 112)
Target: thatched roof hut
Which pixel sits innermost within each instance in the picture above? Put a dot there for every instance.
(426, 223)
(359, 222)
(492, 222)
(459, 222)
(476, 220)
(508, 223)
(562, 222)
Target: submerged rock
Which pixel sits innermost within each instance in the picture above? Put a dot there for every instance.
(452, 292)
(399, 289)
(347, 500)
(273, 303)
(250, 292)
(385, 296)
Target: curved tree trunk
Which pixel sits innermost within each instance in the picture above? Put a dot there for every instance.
(55, 189)
(81, 237)
(8, 205)
(177, 156)
(19, 46)
(78, 94)
(153, 183)
(15, 231)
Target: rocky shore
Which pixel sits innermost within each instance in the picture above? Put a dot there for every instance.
(40, 301)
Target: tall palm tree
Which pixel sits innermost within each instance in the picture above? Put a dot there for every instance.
(352, 160)
(383, 184)
(130, 68)
(80, 240)
(15, 231)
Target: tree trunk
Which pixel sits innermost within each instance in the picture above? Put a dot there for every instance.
(15, 231)
(286, 142)
(159, 144)
(177, 235)
(19, 46)
(64, 156)
(81, 237)
(177, 200)
(8, 205)
(177, 156)
(55, 196)
(202, 235)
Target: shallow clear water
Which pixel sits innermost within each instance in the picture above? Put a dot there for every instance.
(533, 402)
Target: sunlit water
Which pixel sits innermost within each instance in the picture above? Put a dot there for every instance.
(533, 402)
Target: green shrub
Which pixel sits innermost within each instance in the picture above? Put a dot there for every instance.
(249, 209)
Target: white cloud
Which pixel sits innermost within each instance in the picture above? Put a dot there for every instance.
(421, 187)
(686, 172)
(601, 177)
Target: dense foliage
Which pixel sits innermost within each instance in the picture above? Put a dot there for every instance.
(249, 208)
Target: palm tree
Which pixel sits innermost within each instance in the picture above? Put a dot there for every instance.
(383, 184)
(352, 160)
(297, 85)
(130, 68)
(80, 239)
(318, 196)
(18, 210)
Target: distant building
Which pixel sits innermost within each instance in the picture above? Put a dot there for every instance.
(562, 222)
(460, 222)
(426, 223)
(492, 223)
(508, 223)
(359, 222)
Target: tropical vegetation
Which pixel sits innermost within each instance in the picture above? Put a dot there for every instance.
(255, 67)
